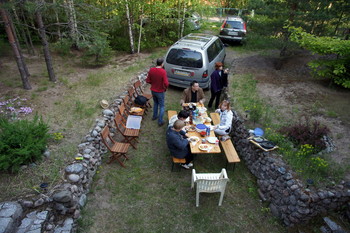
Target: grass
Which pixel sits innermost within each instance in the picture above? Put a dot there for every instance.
(148, 197)
(72, 112)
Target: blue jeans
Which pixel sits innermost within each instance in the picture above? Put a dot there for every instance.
(158, 99)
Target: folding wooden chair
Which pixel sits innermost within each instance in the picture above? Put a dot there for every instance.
(132, 95)
(139, 91)
(117, 149)
(129, 105)
(130, 135)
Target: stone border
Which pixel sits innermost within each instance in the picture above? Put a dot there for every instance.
(289, 199)
(58, 210)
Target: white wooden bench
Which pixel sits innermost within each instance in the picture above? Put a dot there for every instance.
(230, 151)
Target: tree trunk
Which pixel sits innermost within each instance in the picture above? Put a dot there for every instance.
(72, 23)
(183, 21)
(11, 38)
(140, 33)
(131, 37)
(22, 32)
(58, 23)
(28, 33)
(17, 44)
(48, 58)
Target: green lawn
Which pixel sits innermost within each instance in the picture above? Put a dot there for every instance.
(147, 197)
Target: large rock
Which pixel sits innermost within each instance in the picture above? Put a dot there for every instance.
(63, 196)
(10, 212)
(74, 168)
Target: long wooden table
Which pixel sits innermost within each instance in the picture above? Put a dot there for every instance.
(214, 149)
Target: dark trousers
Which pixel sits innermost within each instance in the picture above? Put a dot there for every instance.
(189, 158)
(213, 97)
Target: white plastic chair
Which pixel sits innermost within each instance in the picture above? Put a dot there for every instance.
(209, 183)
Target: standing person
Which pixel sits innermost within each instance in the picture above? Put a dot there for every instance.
(218, 82)
(193, 94)
(226, 115)
(159, 83)
(178, 144)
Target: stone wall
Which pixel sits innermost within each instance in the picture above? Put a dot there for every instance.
(58, 209)
(289, 198)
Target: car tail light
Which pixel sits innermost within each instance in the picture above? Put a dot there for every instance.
(172, 70)
(205, 74)
(223, 25)
(192, 74)
(245, 27)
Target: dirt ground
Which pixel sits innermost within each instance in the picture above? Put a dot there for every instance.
(294, 93)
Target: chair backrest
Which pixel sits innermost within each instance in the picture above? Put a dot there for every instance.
(107, 138)
(131, 93)
(126, 101)
(211, 182)
(138, 89)
(119, 124)
(123, 111)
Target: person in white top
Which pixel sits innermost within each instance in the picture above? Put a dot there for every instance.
(226, 116)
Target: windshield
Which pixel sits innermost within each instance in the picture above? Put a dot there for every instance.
(182, 57)
(234, 24)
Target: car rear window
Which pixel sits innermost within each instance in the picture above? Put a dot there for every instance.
(234, 24)
(183, 57)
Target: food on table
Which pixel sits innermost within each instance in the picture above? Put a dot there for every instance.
(203, 147)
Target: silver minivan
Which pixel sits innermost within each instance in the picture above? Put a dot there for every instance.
(192, 58)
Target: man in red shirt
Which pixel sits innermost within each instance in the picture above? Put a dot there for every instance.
(159, 83)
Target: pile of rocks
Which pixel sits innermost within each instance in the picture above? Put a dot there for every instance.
(58, 209)
(289, 198)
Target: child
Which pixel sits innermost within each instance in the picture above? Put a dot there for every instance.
(226, 115)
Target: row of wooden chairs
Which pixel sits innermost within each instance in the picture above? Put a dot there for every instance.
(119, 149)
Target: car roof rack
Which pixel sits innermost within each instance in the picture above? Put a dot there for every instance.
(199, 39)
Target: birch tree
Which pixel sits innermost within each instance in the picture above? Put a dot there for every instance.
(128, 18)
(72, 21)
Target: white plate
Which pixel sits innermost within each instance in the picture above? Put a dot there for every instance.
(204, 147)
(194, 139)
(212, 139)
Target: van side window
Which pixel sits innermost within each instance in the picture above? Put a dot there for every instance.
(214, 49)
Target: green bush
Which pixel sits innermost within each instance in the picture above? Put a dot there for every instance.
(21, 142)
(63, 46)
(96, 52)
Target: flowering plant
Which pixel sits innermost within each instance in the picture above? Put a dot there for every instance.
(13, 108)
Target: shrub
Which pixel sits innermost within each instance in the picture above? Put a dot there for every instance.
(307, 133)
(96, 52)
(21, 142)
(63, 47)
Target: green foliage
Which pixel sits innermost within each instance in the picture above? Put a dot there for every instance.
(336, 64)
(21, 142)
(62, 47)
(96, 51)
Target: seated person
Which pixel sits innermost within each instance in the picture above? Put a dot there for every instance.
(193, 94)
(182, 115)
(178, 144)
(226, 115)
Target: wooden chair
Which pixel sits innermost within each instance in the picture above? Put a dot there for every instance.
(117, 149)
(132, 95)
(139, 91)
(130, 135)
(178, 162)
(209, 183)
(128, 105)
